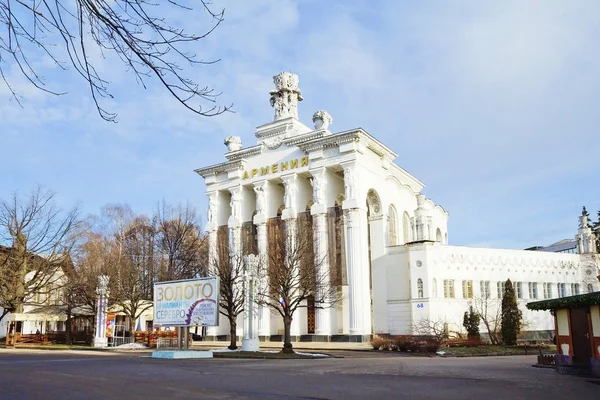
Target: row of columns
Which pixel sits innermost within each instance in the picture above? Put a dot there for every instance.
(357, 255)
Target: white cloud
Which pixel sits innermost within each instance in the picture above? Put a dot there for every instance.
(492, 105)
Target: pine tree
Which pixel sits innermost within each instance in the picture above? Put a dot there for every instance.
(471, 323)
(596, 230)
(511, 315)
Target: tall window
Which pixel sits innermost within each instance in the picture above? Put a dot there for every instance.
(449, 288)
(433, 288)
(406, 227)
(533, 293)
(590, 288)
(562, 290)
(484, 289)
(519, 286)
(547, 290)
(500, 289)
(392, 227)
(438, 235)
(574, 289)
(467, 289)
(420, 288)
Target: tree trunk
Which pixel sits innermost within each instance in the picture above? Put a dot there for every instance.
(232, 334)
(492, 334)
(68, 327)
(287, 339)
(132, 319)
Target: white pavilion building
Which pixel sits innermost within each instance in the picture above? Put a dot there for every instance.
(388, 240)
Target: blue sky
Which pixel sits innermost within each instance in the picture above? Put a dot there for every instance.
(493, 105)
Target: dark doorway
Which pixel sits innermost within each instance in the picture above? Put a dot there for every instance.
(580, 331)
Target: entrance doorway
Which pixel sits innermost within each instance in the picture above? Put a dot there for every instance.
(580, 332)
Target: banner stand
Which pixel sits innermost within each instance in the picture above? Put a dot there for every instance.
(183, 303)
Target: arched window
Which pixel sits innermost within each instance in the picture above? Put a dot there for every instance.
(438, 235)
(406, 227)
(420, 288)
(392, 226)
(446, 238)
(434, 288)
(590, 288)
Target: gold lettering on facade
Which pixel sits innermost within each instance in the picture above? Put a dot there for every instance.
(277, 167)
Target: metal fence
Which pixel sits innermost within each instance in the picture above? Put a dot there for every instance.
(120, 340)
(166, 343)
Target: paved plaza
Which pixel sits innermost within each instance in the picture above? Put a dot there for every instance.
(31, 374)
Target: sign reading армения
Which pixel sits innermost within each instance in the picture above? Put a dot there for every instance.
(187, 302)
(277, 167)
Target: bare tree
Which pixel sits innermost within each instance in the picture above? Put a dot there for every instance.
(138, 32)
(91, 259)
(180, 243)
(490, 312)
(438, 328)
(36, 238)
(230, 270)
(133, 269)
(294, 277)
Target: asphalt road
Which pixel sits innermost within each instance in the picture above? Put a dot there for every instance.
(93, 375)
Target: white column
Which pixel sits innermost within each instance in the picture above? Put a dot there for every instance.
(213, 252)
(290, 243)
(260, 220)
(213, 245)
(211, 227)
(321, 247)
(322, 310)
(235, 224)
(264, 313)
(235, 236)
(357, 252)
(353, 260)
(289, 217)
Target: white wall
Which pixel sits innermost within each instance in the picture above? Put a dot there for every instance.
(469, 264)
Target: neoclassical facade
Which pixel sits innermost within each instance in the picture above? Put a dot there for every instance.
(371, 221)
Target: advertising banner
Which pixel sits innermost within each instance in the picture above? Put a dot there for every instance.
(110, 324)
(187, 303)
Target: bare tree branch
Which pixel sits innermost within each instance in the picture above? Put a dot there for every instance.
(146, 44)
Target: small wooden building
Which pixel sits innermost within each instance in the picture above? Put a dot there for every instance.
(577, 329)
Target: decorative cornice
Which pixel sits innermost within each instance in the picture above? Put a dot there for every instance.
(376, 146)
(330, 141)
(296, 140)
(276, 130)
(510, 260)
(349, 136)
(247, 152)
(221, 168)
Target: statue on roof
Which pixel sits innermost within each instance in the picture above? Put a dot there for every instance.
(285, 97)
(322, 119)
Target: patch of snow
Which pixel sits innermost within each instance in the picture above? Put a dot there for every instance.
(226, 350)
(312, 354)
(440, 353)
(132, 346)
